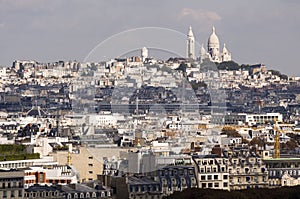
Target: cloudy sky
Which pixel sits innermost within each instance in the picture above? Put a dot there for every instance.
(254, 31)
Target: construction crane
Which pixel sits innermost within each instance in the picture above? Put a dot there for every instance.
(276, 141)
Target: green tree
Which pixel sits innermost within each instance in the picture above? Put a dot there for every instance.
(228, 65)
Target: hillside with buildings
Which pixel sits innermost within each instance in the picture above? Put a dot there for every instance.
(141, 127)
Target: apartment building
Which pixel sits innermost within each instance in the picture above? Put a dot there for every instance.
(212, 172)
(11, 184)
(237, 169)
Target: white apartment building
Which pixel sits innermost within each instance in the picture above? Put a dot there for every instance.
(212, 172)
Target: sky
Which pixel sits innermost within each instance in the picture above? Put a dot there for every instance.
(47, 31)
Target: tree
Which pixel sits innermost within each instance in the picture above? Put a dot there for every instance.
(207, 65)
(257, 141)
(228, 65)
(291, 145)
(196, 85)
(182, 67)
(230, 131)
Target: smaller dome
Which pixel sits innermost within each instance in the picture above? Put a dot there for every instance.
(202, 51)
(213, 38)
(225, 51)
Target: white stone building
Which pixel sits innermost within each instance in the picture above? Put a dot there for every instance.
(213, 52)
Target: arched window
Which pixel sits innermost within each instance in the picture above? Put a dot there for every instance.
(81, 195)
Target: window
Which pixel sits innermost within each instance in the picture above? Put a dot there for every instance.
(90, 157)
(209, 177)
(203, 177)
(266, 154)
(216, 184)
(210, 185)
(264, 178)
(225, 184)
(41, 175)
(90, 172)
(222, 169)
(215, 177)
(180, 172)
(20, 193)
(81, 195)
(4, 194)
(90, 165)
(203, 185)
(225, 177)
(12, 193)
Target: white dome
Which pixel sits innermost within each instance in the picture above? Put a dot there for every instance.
(225, 49)
(202, 51)
(213, 38)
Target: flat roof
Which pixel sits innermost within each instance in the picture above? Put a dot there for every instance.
(282, 159)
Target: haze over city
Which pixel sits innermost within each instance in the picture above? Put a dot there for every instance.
(46, 31)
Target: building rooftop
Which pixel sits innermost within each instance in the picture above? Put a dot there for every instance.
(40, 188)
(281, 159)
(140, 180)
